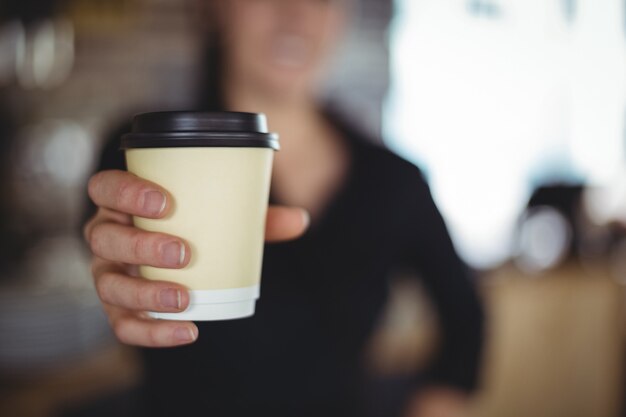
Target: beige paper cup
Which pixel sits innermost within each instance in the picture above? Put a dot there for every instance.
(217, 169)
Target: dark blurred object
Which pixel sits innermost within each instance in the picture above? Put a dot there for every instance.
(29, 10)
(10, 245)
(556, 227)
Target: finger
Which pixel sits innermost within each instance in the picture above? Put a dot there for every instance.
(125, 192)
(130, 245)
(105, 215)
(285, 223)
(137, 330)
(116, 288)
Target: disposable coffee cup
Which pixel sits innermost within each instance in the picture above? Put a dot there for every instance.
(217, 169)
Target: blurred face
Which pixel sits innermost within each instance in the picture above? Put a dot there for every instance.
(279, 47)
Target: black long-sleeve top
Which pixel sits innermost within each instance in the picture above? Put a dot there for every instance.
(321, 295)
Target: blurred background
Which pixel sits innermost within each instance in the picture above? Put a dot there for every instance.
(515, 109)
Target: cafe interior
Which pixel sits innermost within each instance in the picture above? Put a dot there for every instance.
(514, 110)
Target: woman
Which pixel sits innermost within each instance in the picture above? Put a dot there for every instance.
(369, 212)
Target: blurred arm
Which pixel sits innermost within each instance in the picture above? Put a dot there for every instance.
(429, 250)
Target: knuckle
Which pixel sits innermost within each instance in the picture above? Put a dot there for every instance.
(125, 196)
(94, 185)
(145, 298)
(103, 284)
(145, 247)
(97, 239)
(87, 229)
(139, 245)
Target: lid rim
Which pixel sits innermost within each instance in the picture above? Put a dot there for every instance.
(199, 140)
(217, 143)
(197, 121)
(199, 129)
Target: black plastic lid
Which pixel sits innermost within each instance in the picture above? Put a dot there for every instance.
(199, 129)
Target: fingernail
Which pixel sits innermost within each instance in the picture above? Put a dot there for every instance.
(171, 298)
(184, 334)
(154, 202)
(173, 253)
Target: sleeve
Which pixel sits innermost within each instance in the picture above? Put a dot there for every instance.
(428, 250)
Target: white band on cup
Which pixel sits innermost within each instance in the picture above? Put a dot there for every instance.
(230, 295)
(226, 304)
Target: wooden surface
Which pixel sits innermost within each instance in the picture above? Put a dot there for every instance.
(555, 345)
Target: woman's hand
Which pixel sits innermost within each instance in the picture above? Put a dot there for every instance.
(119, 248)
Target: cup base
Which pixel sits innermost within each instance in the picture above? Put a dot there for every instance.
(210, 305)
(210, 312)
